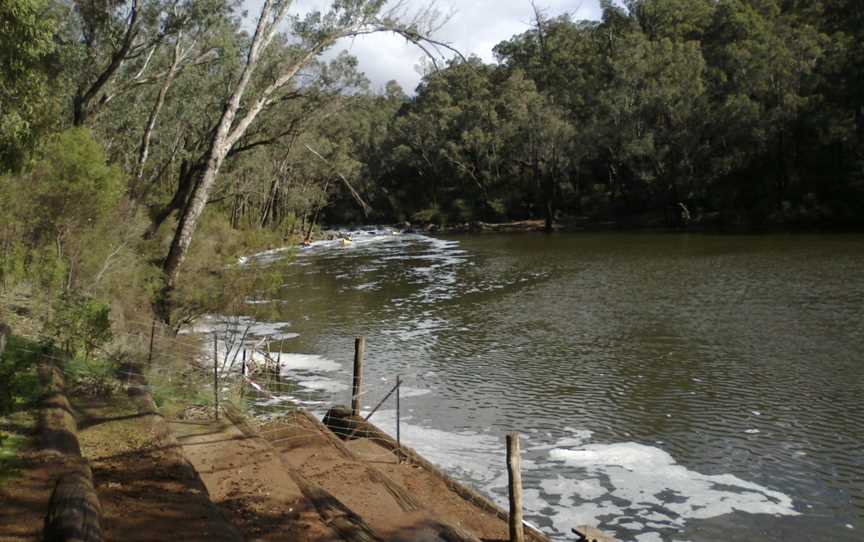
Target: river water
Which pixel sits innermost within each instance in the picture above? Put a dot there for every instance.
(667, 387)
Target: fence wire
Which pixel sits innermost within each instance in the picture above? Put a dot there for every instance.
(275, 393)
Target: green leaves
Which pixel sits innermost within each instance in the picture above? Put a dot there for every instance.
(72, 184)
(26, 49)
(79, 325)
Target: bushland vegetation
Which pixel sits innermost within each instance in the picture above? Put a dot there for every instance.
(145, 144)
(738, 114)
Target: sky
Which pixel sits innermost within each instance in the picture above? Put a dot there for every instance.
(474, 27)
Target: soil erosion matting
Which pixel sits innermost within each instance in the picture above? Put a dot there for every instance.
(148, 491)
(262, 477)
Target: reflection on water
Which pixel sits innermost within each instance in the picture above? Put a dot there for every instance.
(668, 387)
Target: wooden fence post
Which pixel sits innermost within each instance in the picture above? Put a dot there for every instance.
(5, 332)
(215, 377)
(514, 475)
(150, 352)
(398, 416)
(359, 349)
(279, 362)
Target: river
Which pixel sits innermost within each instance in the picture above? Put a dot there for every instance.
(667, 387)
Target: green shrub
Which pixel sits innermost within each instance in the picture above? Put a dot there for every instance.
(431, 215)
(51, 210)
(73, 186)
(18, 375)
(95, 377)
(79, 325)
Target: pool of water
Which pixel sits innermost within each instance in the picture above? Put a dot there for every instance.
(667, 387)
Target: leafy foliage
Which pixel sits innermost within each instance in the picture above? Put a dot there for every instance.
(21, 386)
(80, 324)
(26, 68)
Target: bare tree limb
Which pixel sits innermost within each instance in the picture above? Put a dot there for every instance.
(363, 205)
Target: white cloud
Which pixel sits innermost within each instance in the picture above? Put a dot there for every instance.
(474, 27)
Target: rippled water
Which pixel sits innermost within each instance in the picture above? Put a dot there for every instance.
(668, 387)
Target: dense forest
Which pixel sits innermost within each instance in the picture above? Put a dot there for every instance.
(139, 138)
(736, 114)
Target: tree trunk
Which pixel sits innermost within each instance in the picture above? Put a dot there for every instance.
(195, 207)
(178, 202)
(144, 149)
(271, 201)
(548, 203)
(782, 172)
(83, 100)
(226, 136)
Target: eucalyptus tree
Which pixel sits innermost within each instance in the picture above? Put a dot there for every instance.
(763, 57)
(540, 143)
(313, 35)
(289, 151)
(196, 28)
(112, 44)
(27, 67)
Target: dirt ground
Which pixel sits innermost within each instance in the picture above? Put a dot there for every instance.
(253, 477)
(249, 482)
(24, 496)
(287, 480)
(143, 483)
(306, 447)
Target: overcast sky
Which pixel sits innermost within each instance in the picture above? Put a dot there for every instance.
(474, 27)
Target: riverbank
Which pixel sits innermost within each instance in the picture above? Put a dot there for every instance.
(645, 371)
(653, 223)
(222, 479)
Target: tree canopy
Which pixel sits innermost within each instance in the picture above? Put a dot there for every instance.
(702, 113)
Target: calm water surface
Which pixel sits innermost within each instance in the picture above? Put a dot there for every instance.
(668, 387)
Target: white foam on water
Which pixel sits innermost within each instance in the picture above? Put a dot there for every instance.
(649, 537)
(225, 326)
(204, 325)
(272, 330)
(367, 286)
(264, 257)
(586, 489)
(408, 392)
(641, 479)
(568, 517)
(323, 384)
(262, 301)
(465, 454)
(305, 362)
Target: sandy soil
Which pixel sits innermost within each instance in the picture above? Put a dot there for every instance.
(214, 480)
(305, 446)
(24, 497)
(246, 478)
(431, 492)
(262, 479)
(145, 488)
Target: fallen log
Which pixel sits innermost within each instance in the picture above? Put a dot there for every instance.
(74, 511)
(58, 429)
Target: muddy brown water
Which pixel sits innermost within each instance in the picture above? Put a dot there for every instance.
(668, 387)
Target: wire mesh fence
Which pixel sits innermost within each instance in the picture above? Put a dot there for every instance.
(252, 370)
